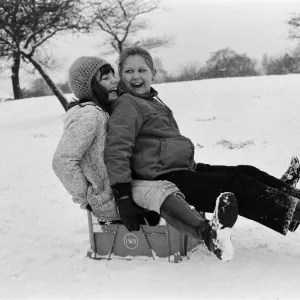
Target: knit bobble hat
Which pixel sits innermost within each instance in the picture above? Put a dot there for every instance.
(81, 74)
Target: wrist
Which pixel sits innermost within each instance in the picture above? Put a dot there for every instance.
(122, 190)
(124, 197)
(125, 200)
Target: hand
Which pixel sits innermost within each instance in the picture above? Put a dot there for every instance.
(131, 214)
(152, 217)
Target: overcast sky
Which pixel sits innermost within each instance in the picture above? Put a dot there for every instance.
(201, 27)
(198, 28)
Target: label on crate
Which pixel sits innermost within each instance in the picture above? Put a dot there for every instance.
(130, 241)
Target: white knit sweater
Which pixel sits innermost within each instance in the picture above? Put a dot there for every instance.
(78, 160)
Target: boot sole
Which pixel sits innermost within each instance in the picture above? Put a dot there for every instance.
(226, 210)
(224, 218)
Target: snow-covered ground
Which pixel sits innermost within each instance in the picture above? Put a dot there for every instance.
(4, 96)
(44, 236)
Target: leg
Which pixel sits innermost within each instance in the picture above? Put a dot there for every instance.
(164, 197)
(150, 195)
(256, 201)
(289, 179)
(216, 234)
(290, 176)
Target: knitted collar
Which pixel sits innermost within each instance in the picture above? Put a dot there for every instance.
(123, 89)
(76, 102)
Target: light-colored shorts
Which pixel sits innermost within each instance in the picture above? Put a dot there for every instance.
(151, 194)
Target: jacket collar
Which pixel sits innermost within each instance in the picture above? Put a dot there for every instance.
(123, 89)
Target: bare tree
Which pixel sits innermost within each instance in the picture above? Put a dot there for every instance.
(190, 71)
(161, 73)
(26, 25)
(294, 23)
(122, 19)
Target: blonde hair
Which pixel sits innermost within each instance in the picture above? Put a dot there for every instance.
(135, 50)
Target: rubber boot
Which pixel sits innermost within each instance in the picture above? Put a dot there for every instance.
(292, 174)
(291, 177)
(215, 233)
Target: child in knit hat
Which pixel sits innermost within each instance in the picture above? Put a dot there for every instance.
(78, 160)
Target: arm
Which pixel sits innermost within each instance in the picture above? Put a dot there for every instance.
(123, 127)
(76, 139)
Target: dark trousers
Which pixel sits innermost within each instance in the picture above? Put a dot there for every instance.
(250, 171)
(263, 200)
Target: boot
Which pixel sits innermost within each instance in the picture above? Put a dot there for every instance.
(292, 174)
(215, 233)
(291, 177)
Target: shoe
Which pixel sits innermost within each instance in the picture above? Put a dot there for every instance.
(223, 219)
(291, 177)
(292, 174)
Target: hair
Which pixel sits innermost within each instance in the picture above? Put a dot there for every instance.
(106, 69)
(135, 50)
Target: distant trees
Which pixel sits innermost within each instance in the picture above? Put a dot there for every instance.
(190, 71)
(228, 63)
(222, 63)
(39, 87)
(26, 25)
(121, 20)
(161, 73)
(294, 23)
(288, 63)
(285, 64)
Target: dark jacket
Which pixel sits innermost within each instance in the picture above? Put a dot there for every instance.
(144, 141)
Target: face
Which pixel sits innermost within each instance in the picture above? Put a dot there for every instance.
(109, 82)
(136, 74)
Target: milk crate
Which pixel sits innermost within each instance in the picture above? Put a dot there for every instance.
(162, 242)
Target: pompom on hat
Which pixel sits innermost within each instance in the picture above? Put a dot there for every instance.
(81, 74)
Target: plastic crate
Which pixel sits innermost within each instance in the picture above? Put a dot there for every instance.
(161, 242)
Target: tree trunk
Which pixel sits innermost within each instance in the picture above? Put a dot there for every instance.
(63, 101)
(15, 76)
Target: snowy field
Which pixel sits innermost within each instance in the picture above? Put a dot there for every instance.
(4, 96)
(44, 236)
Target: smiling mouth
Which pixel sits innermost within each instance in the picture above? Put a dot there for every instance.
(137, 85)
(113, 90)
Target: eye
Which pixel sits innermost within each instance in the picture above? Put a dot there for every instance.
(104, 77)
(128, 71)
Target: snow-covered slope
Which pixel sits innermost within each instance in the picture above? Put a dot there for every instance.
(44, 236)
(4, 96)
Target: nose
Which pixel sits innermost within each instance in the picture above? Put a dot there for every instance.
(135, 75)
